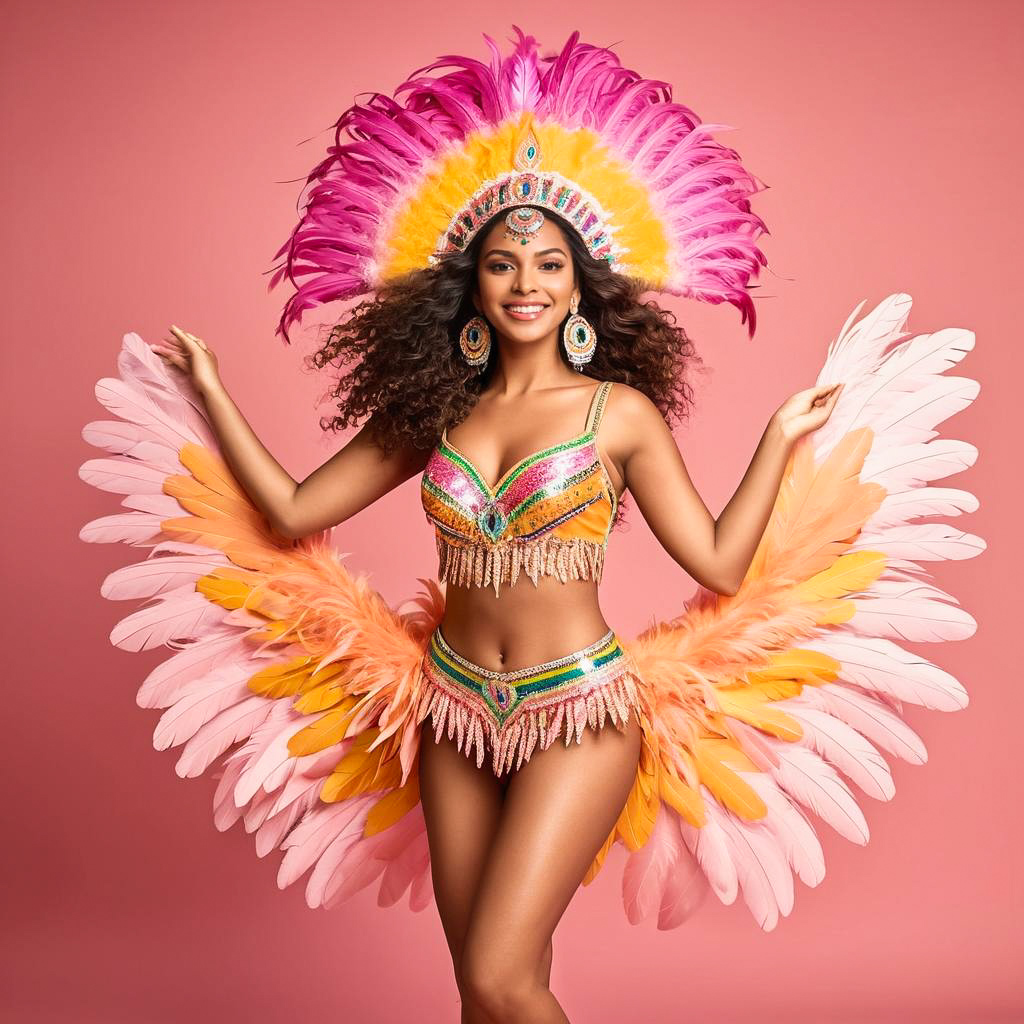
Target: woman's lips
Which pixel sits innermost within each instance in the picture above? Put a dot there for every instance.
(524, 316)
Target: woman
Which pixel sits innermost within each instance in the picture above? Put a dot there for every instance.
(508, 852)
(508, 219)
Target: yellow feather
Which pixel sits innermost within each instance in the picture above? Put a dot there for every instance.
(777, 689)
(221, 588)
(284, 679)
(686, 802)
(808, 667)
(578, 155)
(637, 816)
(833, 613)
(328, 729)
(393, 806)
(848, 574)
(729, 789)
(326, 695)
(751, 706)
(273, 631)
(353, 774)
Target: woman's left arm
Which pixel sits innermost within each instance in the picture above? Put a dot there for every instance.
(718, 553)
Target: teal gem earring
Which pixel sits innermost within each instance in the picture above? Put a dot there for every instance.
(578, 337)
(475, 342)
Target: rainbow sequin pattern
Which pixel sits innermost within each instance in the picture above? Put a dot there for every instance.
(513, 713)
(531, 521)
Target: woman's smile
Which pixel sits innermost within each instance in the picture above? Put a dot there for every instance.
(525, 310)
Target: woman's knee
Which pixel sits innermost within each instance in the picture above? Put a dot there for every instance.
(501, 989)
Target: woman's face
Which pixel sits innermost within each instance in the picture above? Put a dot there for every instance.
(536, 278)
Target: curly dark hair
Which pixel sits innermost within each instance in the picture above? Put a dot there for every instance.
(402, 367)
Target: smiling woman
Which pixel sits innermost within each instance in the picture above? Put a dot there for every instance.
(552, 270)
(515, 259)
(398, 353)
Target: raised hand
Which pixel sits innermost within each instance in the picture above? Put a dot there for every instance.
(805, 411)
(191, 355)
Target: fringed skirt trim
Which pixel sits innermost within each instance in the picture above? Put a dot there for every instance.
(512, 713)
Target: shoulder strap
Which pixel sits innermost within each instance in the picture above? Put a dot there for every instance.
(597, 405)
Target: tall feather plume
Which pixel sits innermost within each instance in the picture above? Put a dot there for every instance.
(385, 150)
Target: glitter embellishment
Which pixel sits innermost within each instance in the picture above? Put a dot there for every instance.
(513, 713)
(522, 223)
(527, 156)
(547, 189)
(526, 522)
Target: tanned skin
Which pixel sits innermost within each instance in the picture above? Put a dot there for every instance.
(507, 855)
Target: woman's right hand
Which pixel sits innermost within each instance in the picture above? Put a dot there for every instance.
(191, 355)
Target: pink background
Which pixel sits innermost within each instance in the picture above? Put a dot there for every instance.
(154, 153)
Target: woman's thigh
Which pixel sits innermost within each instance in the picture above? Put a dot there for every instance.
(462, 805)
(559, 809)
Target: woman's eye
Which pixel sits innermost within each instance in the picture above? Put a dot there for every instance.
(554, 264)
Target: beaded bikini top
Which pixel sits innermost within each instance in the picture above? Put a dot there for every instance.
(549, 515)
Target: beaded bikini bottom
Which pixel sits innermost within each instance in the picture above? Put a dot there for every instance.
(514, 712)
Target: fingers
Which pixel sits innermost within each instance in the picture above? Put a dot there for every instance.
(189, 339)
(169, 355)
(827, 395)
(177, 348)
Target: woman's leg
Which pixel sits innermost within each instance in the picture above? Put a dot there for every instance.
(559, 809)
(461, 807)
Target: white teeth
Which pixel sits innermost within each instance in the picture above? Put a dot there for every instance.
(524, 309)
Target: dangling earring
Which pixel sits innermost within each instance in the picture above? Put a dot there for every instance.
(475, 342)
(578, 337)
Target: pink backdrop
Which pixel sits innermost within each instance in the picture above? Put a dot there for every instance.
(152, 157)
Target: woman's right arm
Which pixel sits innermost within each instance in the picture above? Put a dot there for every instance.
(345, 484)
(348, 482)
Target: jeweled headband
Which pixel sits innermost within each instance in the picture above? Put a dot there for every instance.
(638, 176)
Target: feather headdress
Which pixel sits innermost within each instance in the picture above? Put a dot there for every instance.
(412, 178)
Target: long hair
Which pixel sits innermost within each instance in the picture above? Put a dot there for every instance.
(398, 352)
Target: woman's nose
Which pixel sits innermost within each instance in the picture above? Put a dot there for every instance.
(523, 281)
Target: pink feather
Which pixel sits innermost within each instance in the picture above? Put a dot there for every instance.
(839, 724)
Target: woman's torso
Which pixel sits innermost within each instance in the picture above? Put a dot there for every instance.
(527, 622)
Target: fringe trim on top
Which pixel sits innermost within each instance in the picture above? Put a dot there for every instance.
(535, 725)
(482, 566)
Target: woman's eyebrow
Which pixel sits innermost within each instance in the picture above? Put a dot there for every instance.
(506, 252)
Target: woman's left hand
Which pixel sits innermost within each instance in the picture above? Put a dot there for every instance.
(805, 411)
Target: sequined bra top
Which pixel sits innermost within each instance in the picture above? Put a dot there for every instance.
(549, 515)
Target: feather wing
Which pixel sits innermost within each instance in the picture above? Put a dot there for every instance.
(291, 675)
(763, 708)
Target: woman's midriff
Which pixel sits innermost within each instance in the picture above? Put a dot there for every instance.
(525, 624)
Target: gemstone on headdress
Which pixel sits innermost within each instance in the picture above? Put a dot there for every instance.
(528, 154)
(548, 190)
(522, 223)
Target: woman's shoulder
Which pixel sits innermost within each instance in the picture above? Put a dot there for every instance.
(630, 418)
(629, 403)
